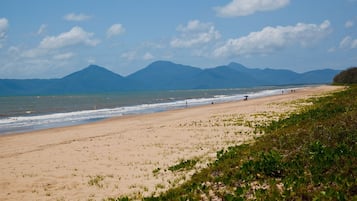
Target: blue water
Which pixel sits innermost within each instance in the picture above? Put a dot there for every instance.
(28, 113)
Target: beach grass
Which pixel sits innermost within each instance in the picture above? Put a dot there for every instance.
(308, 155)
(96, 181)
(183, 165)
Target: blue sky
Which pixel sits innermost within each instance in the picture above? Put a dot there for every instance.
(50, 39)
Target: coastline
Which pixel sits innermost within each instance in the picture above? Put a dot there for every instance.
(123, 152)
(52, 112)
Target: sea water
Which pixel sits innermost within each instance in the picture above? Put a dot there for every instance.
(28, 113)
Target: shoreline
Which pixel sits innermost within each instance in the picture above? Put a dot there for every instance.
(118, 156)
(49, 128)
(24, 124)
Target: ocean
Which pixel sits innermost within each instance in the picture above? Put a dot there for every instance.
(29, 113)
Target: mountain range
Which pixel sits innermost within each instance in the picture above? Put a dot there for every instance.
(162, 75)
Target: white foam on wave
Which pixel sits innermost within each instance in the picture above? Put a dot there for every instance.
(70, 118)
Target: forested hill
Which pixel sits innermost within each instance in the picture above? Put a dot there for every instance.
(163, 75)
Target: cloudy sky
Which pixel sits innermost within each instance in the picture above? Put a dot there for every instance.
(49, 39)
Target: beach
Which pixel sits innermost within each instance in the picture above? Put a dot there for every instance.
(130, 155)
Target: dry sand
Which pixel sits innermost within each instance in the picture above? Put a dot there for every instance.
(130, 155)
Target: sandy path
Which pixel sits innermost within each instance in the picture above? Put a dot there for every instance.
(118, 156)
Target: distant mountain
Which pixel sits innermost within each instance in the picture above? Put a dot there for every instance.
(223, 77)
(268, 76)
(23, 87)
(317, 76)
(163, 75)
(93, 79)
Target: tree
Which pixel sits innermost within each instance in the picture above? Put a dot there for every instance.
(348, 76)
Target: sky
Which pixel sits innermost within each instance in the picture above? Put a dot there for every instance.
(51, 39)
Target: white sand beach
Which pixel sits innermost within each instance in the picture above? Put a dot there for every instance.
(130, 155)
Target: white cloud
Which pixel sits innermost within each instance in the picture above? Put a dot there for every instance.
(354, 44)
(91, 60)
(271, 39)
(51, 46)
(13, 50)
(76, 36)
(349, 24)
(53, 56)
(195, 33)
(114, 30)
(76, 17)
(4, 24)
(153, 45)
(148, 56)
(331, 50)
(63, 56)
(193, 26)
(33, 53)
(248, 7)
(42, 29)
(136, 55)
(345, 42)
(131, 55)
(348, 42)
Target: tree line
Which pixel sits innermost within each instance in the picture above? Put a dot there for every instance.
(348, 76)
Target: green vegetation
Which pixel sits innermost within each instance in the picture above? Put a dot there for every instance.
(311, 155)
(183, 165)
(118, 199)
(156, 171)
(348, 76)
(96, 181)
